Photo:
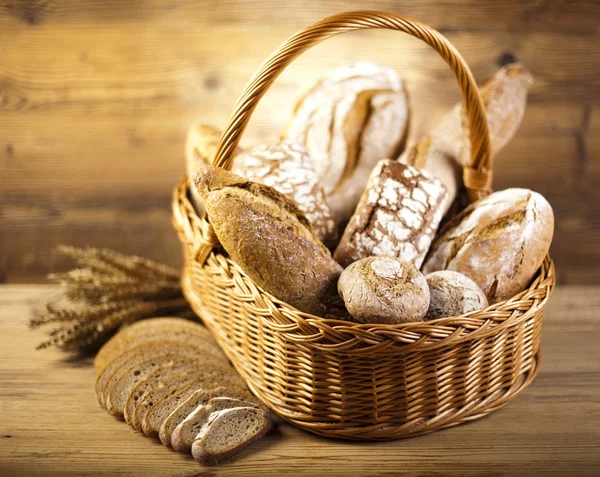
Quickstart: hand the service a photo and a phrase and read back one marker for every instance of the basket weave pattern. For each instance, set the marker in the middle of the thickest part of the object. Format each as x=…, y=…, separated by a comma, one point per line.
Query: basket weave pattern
x=362, y=381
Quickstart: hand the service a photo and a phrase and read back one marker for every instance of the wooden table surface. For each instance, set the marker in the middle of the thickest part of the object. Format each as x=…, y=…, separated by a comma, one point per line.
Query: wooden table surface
x=51, y=424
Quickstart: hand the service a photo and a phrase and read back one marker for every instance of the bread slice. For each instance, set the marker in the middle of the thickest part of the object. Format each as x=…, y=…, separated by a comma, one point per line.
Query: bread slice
x=141, y=331
x=184, y=434
x=204, y=376
x=118, y=394
x=228, y=432
x=140, y=351
x=198, y=398
x=156, y=415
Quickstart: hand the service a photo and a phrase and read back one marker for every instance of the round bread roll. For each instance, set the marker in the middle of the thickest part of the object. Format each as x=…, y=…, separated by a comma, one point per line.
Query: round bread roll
x=384, y=290
x=453, y=294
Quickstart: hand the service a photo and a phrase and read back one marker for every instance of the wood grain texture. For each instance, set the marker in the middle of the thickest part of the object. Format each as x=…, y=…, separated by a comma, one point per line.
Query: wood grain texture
x=52, y=425
x=95, y=99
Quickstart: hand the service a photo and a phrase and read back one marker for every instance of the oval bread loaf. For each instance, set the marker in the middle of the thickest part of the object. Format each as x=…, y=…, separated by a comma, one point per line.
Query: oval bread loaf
x=452, y=294
x=499, y=242
x=384, y=290
x=271, y=240
x=355, y=116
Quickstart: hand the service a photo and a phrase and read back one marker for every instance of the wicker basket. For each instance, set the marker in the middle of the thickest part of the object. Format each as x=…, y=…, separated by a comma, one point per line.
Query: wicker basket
x=362, y=381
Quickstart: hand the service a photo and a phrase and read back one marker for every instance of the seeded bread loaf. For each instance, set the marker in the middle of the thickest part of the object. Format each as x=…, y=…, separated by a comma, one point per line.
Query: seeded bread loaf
x=347, y=121
x=499, y=242
x=271, y=240
x=145, y=330
x=228, y=432
x=397, y=216
x=184, y=434
x=504, y=97
x=384, y=290
x=452, y=294
x=286, y=167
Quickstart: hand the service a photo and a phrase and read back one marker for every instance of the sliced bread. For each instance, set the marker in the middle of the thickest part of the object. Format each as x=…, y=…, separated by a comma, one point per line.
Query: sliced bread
x=228, y=432
x=153, y=328
x=118, y=393
x=184, y=434
x=215, y=386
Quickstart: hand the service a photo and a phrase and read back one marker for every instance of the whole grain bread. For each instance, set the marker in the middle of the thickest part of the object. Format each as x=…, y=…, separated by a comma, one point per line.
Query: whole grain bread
x=228, y=432
x=384, y=290
x=184, y=434
x=397, y=216
x=271, y=240
x=499, y=242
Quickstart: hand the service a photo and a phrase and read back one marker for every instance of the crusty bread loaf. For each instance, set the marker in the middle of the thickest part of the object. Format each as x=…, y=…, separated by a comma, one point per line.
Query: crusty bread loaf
x=286, y=167
x=499, y=242
x=200, y=149
x=145, y=330
x=186, y=431
x=347, y=121
x=228, y=432
x=452, y=294
x=384, y=290
x=504, y=97
x=271, y=240
x=397, y=216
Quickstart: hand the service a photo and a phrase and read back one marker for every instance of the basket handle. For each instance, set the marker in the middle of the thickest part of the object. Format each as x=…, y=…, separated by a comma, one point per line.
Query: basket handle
x=477, y=176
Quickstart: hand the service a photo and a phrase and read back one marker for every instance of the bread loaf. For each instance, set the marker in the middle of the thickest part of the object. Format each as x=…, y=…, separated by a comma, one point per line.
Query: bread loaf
x=271, y=240
x=348, y=121
x=397, y=215
x=452, y=294
x=499, y=242
x=504, y=97
x=384, y=290
x=286, y=167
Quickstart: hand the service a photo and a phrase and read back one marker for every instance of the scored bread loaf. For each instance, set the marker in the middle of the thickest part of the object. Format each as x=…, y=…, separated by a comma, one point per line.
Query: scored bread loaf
x=228, y=432
x=286, y=167
x=384, y=290
x=186, y=431
x=499, y=242
x=397, y=216
x=504, y=96
x=271, y=240
x=453, y=294
x=355, y=116
x=153, y=328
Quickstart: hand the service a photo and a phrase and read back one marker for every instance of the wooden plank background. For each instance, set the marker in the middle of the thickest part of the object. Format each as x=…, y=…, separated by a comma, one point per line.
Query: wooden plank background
x=95, y=99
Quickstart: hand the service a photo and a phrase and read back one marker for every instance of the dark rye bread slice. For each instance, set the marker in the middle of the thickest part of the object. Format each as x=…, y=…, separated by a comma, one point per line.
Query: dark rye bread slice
x=198, y=398
x=119, y=392
x=203, y=375
x=132, y=356
x=151, y=329
x=228, y=432
x=185, y=433
x=157, y=414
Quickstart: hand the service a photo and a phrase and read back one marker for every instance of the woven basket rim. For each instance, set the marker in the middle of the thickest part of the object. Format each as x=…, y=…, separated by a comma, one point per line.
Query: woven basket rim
x=335, y=335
